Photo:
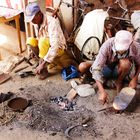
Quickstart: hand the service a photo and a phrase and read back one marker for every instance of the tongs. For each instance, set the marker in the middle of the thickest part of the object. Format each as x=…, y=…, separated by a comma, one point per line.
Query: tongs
x=26, y=74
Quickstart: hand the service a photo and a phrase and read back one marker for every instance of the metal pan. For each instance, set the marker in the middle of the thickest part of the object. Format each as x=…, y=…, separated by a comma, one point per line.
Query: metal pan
x=122, y=101
x=124, y=98
x=18, y=104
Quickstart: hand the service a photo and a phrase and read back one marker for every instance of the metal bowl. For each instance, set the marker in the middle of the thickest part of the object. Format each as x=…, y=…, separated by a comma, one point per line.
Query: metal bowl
x=124, y=98
x=18, y=104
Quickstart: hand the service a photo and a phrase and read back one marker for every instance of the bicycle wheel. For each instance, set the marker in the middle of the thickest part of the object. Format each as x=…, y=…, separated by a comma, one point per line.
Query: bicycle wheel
x=90, y=48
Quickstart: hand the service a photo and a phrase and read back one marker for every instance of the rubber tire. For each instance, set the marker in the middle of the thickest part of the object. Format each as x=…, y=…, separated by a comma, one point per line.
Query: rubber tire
x=88, y=44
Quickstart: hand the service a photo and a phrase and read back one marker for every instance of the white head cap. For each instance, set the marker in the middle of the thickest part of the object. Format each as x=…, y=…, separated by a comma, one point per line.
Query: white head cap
x=123, y=39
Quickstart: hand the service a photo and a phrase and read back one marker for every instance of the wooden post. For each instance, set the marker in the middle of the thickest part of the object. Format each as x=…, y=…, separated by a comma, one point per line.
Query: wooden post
x=26, y=24
x=18, y=31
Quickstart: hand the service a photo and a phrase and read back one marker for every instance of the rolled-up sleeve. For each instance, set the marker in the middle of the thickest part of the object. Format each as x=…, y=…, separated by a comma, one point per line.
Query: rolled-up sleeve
x=100, y=61
x=57, y=39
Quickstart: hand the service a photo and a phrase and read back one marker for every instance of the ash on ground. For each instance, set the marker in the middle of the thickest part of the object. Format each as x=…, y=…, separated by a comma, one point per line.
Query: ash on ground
x=44, y=115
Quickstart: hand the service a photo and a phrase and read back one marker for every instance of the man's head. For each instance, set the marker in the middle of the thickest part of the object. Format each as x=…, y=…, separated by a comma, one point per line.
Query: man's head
x=123, y=40
x=33, y=13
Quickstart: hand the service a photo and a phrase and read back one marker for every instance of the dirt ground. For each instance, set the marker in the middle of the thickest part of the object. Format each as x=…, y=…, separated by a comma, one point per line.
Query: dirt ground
x=44, y=119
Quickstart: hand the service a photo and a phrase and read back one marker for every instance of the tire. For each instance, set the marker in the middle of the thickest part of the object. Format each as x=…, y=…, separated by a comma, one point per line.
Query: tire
x=90, y=48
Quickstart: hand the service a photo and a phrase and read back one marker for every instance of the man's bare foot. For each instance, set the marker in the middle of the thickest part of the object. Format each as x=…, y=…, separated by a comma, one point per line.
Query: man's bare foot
x=44, y=74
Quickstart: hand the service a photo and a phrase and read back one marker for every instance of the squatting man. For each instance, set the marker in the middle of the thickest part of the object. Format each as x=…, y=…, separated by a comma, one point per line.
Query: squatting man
x=118, y=59
x=49, y=45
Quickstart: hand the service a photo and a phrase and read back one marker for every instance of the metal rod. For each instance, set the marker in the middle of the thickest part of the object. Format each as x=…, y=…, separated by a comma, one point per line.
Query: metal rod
x=120, y=18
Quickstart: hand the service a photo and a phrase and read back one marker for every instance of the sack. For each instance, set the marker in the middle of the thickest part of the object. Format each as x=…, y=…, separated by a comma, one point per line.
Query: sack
x=83, y=90
x=91, y=33
x=69, y=72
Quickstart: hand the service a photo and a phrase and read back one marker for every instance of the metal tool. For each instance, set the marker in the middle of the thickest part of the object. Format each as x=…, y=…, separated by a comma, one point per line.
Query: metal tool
x=28, y=60
x=26, y=74
x=104, y=109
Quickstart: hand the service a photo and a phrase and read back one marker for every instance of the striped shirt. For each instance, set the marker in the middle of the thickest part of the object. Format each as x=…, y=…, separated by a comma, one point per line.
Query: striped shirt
x=107, y=55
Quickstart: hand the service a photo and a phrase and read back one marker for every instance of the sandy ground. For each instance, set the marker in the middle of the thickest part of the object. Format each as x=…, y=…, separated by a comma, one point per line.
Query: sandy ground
x=30, y=124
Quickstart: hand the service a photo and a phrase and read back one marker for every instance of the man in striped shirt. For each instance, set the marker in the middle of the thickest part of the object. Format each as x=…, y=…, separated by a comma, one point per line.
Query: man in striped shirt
x=119, y=59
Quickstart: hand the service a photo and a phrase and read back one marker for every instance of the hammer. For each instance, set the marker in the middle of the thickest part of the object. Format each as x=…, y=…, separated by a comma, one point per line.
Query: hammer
x=27, y=60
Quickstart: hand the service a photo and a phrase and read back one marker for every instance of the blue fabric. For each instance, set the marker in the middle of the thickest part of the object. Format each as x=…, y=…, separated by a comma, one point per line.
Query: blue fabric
x=109, y=73
x=69, y=72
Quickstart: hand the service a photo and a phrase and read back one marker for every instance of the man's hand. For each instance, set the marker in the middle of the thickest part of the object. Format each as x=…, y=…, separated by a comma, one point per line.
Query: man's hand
x=40, y=67
x=133, y=82
x=103, y=98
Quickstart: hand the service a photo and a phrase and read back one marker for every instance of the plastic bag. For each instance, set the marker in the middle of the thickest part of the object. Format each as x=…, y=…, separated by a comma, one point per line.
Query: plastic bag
x=69, y=72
